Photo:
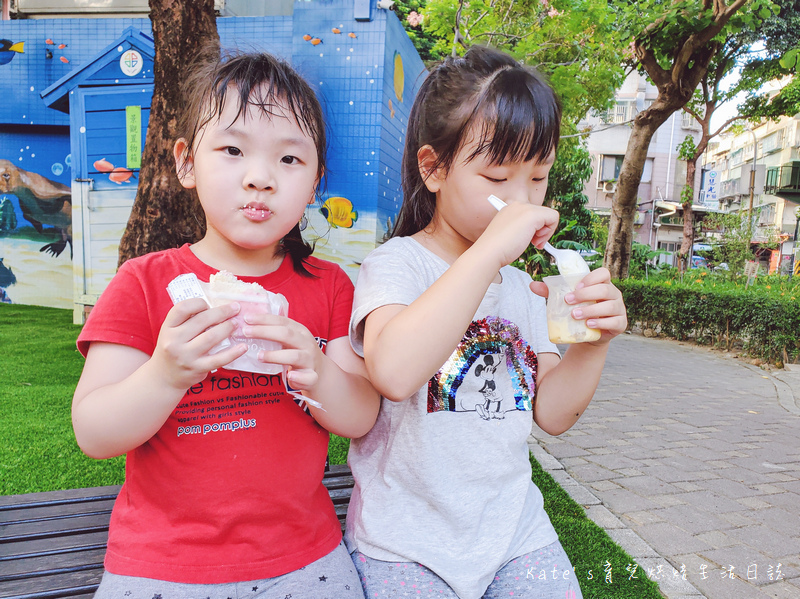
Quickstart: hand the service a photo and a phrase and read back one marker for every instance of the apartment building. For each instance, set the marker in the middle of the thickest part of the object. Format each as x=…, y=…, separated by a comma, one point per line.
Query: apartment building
x=758, y=171
x=659, y=219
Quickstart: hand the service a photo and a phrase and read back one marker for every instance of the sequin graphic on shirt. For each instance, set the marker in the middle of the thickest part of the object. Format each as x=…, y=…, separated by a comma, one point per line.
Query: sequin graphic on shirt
x=491, y=372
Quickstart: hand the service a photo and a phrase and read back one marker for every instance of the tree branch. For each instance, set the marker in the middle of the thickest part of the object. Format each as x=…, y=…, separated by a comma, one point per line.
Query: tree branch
x=694, y=42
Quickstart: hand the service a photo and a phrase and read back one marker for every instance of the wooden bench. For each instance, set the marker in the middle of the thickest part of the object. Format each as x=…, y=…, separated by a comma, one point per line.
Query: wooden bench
x=52, y=544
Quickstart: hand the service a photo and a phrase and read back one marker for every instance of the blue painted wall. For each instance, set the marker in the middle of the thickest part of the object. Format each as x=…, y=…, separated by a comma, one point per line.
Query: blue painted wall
x=353, y=67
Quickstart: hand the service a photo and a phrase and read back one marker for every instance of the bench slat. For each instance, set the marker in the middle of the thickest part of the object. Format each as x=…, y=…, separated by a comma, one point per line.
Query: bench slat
x=52, y=544
x=66, y=584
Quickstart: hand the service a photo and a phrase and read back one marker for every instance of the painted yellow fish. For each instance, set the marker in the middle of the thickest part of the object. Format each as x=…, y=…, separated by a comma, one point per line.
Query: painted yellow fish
x=338, y=211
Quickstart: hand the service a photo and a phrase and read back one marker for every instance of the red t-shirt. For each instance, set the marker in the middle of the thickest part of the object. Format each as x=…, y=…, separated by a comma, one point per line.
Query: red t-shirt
x=230, y=488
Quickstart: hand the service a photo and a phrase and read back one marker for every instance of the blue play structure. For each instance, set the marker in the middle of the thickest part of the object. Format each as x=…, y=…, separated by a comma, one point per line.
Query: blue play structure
x=74, y=123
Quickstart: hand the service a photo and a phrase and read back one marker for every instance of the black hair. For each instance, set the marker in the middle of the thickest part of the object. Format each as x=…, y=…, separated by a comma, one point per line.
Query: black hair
x=514, y=111
x=262, y=80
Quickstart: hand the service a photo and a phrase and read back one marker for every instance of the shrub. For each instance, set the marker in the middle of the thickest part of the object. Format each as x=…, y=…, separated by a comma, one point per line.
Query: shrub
x=763, y=319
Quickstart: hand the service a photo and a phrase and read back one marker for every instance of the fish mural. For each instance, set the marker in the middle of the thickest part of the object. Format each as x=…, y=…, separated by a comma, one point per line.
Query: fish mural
x=42, y=202
x=7, y=279
x=8, y=50
x=338, y=211
x=49, y=52
x=117, y=174
x=399, y=78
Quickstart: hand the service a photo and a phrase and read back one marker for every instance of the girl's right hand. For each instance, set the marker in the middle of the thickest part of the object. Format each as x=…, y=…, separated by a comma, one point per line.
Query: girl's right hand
x=189, y=332
x=514, y=228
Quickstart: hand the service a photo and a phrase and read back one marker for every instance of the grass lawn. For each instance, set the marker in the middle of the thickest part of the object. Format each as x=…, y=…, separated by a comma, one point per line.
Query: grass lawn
x=41, y=366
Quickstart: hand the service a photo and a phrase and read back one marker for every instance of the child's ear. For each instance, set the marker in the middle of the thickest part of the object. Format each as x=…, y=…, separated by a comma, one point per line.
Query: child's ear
x=428, y=170
x=184, y=163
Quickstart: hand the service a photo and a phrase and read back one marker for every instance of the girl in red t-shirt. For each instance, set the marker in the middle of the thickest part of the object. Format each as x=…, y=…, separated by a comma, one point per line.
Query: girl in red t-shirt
x=223, y=490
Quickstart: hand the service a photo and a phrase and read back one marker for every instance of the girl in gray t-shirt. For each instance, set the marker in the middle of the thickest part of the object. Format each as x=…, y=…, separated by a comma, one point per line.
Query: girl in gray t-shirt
x=455, y=340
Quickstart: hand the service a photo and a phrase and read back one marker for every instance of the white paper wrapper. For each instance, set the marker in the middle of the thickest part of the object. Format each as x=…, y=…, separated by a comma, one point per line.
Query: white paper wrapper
x=261, y=301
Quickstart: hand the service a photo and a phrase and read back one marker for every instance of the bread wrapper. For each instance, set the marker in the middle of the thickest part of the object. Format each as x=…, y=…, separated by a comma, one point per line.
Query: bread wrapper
x=225, y=288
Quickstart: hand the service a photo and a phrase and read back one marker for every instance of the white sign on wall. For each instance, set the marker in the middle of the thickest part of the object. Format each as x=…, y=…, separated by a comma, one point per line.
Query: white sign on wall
x=130, y=63
x=711, y=189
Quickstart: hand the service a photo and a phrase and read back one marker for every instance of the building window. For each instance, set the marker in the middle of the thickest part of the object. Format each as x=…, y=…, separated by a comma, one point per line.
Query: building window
x=688, y=121
x=766, y=214
x=610, y=167
x=773, y=142
x=622, y=112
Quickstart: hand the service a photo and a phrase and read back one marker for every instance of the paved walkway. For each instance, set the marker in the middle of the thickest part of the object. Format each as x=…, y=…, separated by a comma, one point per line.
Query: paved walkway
x=690, y=459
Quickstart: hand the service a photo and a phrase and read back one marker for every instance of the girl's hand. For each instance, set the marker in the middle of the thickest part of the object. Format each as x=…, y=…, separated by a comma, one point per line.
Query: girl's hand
x=514, y=228
x=189, y=332
x=608, y=314
x=301, y=351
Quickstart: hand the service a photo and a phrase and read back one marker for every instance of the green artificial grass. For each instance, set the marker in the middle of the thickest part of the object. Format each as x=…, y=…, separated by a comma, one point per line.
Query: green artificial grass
x=604, y=570
x=41, y=367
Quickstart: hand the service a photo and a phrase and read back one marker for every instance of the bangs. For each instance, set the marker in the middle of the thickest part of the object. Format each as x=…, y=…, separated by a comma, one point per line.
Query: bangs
x=519, y=119
x=266, y=88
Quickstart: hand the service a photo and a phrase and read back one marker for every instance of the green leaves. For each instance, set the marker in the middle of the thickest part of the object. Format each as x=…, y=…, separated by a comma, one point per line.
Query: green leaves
x=763, y=320
x=574, y=42
x=789, y=60
x=687, y=149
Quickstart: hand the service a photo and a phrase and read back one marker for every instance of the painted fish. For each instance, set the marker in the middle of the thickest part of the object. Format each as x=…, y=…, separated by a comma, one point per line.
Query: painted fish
x=9, y=49
x=120, y=175
x=316, y=41
x=338, y=211
x=103, y=166
x=336, y=30
x=307, y=37
x=353, y=35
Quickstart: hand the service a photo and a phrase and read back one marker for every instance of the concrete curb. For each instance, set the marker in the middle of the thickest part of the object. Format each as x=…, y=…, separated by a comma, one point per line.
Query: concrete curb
x=644, y=555
x=785, y=382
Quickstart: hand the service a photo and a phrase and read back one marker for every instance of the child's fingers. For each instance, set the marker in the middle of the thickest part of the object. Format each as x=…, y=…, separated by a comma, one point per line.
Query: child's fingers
x=302, y=378
x=280, y=329
x=210, y=362
x=614, y=325
x=608, y=315
x=539, y=288
x=196, y=313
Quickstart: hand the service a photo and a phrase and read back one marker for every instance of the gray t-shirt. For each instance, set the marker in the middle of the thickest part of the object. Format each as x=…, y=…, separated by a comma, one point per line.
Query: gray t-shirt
x=443, y=478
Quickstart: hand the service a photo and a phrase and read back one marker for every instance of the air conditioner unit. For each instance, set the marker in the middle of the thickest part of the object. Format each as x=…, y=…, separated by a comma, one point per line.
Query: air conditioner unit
x=609, y=186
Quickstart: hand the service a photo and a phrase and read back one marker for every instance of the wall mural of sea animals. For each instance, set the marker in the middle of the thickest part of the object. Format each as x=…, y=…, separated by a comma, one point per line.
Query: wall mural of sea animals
x=117, y=174
x=42, y=202
x=399, y=76
x=9, y=49
x=7, y=279
x=339, y=212
x=49, y=52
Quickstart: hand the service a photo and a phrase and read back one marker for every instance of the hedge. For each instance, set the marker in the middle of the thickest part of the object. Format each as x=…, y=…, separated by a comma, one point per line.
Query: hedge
x=763, y=325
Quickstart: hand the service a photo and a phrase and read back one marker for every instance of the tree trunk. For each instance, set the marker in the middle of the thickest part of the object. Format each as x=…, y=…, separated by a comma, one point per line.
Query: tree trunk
x=623, y=210
x=688, y=216
x=164, y=214
x=687, y=242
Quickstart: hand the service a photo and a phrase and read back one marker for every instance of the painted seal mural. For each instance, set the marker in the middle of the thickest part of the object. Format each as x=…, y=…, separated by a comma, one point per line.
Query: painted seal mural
x=42, y=202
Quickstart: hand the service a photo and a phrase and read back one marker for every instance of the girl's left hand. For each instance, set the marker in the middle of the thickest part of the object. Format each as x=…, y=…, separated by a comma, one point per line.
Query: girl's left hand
x=301, y=352
x=608, y=313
